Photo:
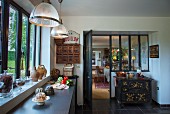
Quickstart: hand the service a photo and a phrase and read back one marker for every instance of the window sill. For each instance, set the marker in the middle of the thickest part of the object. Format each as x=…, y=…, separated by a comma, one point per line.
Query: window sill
x=7, y=104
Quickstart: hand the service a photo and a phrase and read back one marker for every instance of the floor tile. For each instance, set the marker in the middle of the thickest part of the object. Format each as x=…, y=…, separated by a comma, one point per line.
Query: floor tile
x=121, y=112
x=105, y=112
x=163, y=111
x=146, y=106
x=90, y=112
x=131, y=106
x=130, y=111
x=112, y=107
x=149, y=111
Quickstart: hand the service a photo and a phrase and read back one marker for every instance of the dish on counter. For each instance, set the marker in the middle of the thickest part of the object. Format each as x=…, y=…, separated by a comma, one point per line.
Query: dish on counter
x=40, y=102
x=60, y=86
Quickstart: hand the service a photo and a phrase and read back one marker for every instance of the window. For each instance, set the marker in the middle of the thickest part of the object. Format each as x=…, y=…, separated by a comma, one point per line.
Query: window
x=144, y=53
x=32, y=42
x=20, y=38
x=115, y=53
x=0, y=38
x=23, y=43
x=130, y=52
x=0, y=55
x=13, y=15
x=124, y=50
x=134, y=53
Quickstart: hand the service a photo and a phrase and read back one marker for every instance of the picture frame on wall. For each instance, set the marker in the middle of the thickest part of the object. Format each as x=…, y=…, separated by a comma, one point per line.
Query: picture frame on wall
x=154, y=51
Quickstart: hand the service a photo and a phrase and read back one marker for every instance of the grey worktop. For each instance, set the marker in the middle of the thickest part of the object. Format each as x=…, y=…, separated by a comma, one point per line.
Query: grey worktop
x=58, y=104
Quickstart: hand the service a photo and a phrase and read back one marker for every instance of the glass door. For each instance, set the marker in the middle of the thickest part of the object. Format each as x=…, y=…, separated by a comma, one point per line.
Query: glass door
x=88, y=69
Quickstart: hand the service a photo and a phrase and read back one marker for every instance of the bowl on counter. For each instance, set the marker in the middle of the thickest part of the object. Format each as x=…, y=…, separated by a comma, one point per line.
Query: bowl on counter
x=40, y=102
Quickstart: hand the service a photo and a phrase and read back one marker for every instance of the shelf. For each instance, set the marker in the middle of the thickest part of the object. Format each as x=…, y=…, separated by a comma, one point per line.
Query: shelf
x=67, y=53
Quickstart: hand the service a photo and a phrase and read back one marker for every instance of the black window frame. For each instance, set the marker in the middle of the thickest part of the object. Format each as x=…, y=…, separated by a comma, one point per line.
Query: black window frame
x=4, y=36
x=129, y=44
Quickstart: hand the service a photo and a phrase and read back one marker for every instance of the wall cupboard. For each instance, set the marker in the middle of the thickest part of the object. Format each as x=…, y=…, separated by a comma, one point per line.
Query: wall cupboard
x=67, y=53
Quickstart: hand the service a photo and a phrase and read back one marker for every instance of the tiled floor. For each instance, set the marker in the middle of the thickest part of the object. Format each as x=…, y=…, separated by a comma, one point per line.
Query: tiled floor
x=112, y=107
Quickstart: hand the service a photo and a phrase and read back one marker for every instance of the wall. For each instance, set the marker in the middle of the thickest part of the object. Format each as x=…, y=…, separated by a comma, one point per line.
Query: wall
x=37, y=46
x=159, y=68
x=45, y=49
x=101, y=50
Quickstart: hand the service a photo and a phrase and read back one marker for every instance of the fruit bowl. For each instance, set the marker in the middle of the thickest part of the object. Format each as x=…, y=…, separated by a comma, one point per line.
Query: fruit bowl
x=40, y=102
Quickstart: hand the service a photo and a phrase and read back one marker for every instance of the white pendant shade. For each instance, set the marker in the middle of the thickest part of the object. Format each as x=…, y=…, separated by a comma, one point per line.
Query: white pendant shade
x=44, y=14
x=59, y=31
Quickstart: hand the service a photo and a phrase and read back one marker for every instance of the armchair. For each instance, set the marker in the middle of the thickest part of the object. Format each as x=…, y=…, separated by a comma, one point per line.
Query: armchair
x=100, y=74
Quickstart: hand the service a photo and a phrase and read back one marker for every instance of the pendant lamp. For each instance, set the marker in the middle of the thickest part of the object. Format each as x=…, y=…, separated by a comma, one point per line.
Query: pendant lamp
x=44, y=14
x=59, y=31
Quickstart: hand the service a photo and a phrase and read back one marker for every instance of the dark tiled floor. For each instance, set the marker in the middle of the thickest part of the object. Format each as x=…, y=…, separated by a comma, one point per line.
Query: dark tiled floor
x=112, y=107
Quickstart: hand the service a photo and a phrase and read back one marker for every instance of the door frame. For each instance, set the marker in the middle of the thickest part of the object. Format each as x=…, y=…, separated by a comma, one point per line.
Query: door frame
x=87, y=68
x=95, y=33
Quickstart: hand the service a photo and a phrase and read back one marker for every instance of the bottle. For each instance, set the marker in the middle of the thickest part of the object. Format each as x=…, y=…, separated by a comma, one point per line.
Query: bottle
x=6, y=84
x=22, y=72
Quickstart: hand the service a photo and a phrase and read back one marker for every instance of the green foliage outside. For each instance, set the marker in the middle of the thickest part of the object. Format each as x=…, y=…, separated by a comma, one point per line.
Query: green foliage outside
x=11, y=66
x=11, y=55
x=12, y=36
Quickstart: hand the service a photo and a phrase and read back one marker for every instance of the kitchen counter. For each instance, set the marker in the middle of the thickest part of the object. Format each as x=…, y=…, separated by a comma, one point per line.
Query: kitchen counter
x=63, y=102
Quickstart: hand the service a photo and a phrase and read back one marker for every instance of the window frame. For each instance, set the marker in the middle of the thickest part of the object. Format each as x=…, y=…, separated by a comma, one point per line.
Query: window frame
x=4, y=36
x=129, y=49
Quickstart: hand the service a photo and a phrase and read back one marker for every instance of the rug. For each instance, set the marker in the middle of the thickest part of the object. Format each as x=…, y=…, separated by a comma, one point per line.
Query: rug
x=99, y=79
x=101, y=85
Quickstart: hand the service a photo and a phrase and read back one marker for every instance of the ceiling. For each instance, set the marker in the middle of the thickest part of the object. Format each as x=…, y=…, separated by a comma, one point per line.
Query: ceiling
x=134, y=8
x=140, y=8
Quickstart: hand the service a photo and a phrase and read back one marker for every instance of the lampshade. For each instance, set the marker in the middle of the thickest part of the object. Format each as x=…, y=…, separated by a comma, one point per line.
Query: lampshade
x=133, y=57
x=114, y=57
x=59, y=31
x=44, y=14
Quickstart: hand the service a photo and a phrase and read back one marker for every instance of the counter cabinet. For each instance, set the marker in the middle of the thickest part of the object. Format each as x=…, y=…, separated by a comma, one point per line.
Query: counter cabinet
x=133, y=90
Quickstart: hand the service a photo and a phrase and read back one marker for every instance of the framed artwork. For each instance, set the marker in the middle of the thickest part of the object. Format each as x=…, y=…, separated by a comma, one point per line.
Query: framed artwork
x=154, y=51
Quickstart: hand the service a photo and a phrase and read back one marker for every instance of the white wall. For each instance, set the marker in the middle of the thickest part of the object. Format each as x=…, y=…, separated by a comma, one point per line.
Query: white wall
x=45, y=49
x=159, y=68
x=37, y=45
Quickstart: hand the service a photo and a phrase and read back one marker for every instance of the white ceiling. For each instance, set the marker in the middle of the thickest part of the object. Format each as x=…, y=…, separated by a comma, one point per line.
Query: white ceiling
x=141, y=8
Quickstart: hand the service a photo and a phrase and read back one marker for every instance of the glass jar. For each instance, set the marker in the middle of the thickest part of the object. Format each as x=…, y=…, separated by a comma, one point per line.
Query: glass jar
x=6, y=84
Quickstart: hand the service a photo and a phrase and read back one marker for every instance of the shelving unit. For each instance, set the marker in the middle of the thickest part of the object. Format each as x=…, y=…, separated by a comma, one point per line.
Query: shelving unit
x=67, y=53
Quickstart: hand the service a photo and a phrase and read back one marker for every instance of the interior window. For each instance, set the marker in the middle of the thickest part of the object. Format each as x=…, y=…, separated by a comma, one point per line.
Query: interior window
x=115, y=53
x=125, y=52
x=144, y=53
x=134, y=53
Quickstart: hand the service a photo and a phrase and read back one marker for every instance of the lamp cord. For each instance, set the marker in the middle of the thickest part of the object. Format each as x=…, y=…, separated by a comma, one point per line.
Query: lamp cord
x=47, y=1
x=60, y=1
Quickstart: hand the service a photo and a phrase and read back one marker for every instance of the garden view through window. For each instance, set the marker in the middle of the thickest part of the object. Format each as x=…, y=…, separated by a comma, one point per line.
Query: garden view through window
x=23, y=44
x=12, y=35
x=32, y=41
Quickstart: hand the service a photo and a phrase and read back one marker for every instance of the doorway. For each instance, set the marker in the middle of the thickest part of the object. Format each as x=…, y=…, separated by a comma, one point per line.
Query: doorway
x=100, y=67
x=87, y=64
